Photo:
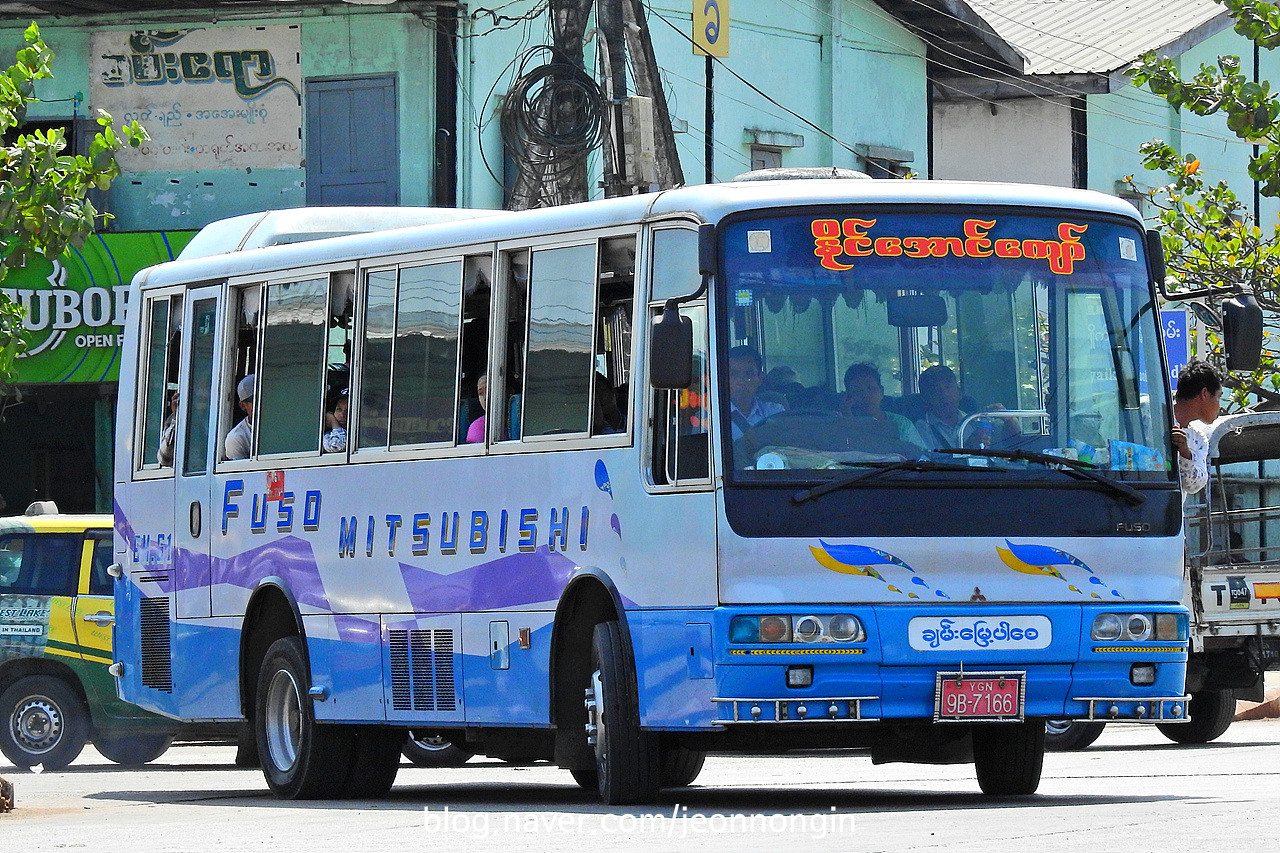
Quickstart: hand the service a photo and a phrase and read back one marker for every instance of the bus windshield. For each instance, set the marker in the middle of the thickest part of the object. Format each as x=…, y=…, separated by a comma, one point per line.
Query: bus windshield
x=864, y=337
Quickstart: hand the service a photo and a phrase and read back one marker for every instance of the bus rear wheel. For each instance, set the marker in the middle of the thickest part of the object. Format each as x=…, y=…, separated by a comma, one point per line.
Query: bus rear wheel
x=1070, y=735
x=433, y=751
x=626, y=758
x=1008, y=757
x=301, y=759
x=1210, y=713
x=132, y=750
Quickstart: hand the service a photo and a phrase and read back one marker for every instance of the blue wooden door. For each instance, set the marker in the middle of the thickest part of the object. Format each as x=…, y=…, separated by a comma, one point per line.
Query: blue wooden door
x=353, y=151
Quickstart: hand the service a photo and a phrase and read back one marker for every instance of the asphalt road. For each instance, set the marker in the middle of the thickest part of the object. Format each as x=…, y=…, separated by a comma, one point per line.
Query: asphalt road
x=1132, y=791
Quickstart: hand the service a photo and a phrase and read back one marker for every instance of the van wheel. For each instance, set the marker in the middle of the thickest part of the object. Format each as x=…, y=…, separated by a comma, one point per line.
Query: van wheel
x=626, y=757
x=45, y=722
x=1210, y=713
x=301, y=759
x=1008, y=757
x=132, y=750
x=1070, y=735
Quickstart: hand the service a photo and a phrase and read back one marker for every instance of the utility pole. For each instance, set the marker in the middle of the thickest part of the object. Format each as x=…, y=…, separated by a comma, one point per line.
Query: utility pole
x=649, y=85
x=609, y=17
x=543, y=124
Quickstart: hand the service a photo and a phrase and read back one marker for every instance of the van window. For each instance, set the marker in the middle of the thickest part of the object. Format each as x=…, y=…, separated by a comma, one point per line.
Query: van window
x=40, y=564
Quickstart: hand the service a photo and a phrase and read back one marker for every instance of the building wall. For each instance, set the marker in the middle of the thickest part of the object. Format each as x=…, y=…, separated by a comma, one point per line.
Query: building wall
x=1025, y=140
x=843, y=65
x=342, y=41
x=1120, y=122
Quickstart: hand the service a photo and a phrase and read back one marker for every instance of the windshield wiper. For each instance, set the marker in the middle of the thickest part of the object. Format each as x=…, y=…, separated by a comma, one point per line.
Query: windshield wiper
x=878, y=468
x=1088, y=470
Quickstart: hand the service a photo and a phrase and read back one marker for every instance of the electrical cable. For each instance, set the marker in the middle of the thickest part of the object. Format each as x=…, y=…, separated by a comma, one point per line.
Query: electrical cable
x=553, y=117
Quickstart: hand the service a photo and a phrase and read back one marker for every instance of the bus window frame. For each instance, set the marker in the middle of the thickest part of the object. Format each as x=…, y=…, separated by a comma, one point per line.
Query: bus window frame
x=647, y=409
x=225, y=383
x=498, y=317
x=355, y=390
x=143, y=469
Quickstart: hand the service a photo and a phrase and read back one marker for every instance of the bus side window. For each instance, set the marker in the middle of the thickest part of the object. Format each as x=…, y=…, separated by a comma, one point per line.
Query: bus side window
x=561, y=341
x=614, y=301
x=425, y=359
x=476, y=295
x=287, y=409
x=163, y=333
x=379, y=327
x=681, y=421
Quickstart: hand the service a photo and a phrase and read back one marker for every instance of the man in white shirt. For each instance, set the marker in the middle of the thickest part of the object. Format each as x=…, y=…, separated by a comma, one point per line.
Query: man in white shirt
x=1198, y=398
x=239, y=441
x=746, y=410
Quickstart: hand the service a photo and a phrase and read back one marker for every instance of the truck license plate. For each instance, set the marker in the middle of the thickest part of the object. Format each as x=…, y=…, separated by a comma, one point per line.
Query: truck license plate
x=976, y=696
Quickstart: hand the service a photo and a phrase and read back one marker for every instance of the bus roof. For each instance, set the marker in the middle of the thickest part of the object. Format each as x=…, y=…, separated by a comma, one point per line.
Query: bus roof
x=707, y=203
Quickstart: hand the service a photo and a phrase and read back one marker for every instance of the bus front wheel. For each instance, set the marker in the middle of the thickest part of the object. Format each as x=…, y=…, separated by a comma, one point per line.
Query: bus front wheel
x=1008, y=757
x=302, y=760
x=626, y=760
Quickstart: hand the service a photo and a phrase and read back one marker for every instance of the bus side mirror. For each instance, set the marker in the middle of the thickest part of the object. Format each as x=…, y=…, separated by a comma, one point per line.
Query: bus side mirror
x=1155, y=256
x=671, y=350
x=1242, y=332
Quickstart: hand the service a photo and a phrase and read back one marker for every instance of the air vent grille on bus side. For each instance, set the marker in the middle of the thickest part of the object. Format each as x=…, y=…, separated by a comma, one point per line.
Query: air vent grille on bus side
x=157, y=662
x=422, y=670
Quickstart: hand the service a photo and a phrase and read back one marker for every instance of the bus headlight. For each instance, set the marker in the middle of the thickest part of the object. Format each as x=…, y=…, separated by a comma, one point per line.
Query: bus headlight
x=845, y=629
x=1139, y=627
x=807, y=628
x=1107, y=627
x=1171, y=626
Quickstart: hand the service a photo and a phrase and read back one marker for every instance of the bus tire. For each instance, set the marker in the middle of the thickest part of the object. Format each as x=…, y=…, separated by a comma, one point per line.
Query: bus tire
x=132, y=750
x=375, y=761
x=1210, y=713
x=433, y=751
x=1008, y=757
x=626, y=756
x=44, y=722
x=301, y=759
x=680, y=766
x=1070, y=735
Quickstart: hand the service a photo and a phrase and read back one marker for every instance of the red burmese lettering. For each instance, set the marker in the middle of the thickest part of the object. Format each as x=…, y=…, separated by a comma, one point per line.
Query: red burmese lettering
x=1008, y=249
x=978, y=245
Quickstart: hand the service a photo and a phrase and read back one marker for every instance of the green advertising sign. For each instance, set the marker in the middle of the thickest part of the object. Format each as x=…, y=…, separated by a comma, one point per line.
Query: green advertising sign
x=74, y=307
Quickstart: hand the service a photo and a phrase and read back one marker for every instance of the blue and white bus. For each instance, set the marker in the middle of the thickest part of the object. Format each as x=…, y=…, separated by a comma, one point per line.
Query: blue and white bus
x=753, y=466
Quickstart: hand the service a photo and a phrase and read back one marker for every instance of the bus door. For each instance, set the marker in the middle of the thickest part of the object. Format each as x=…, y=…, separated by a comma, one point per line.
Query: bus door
x=193, y=516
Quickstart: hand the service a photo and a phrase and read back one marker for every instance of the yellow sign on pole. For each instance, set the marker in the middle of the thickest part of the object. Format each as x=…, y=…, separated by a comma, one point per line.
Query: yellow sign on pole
x=711, y=27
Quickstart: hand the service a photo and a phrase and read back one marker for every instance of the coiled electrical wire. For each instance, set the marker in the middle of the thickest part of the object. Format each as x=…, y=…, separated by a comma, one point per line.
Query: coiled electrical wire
x=553, y=117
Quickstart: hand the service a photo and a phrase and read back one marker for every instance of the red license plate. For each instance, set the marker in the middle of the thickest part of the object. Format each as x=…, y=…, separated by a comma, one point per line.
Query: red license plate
x=979, y=696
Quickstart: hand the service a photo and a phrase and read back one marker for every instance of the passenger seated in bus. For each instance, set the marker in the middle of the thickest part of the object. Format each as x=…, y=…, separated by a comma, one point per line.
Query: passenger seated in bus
x=168, y=433
x=940, y=426
x=475, y=432
x=335, y=420
x=746, y=409
x=239, y=441
x=863, y=396
x=781, y=386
